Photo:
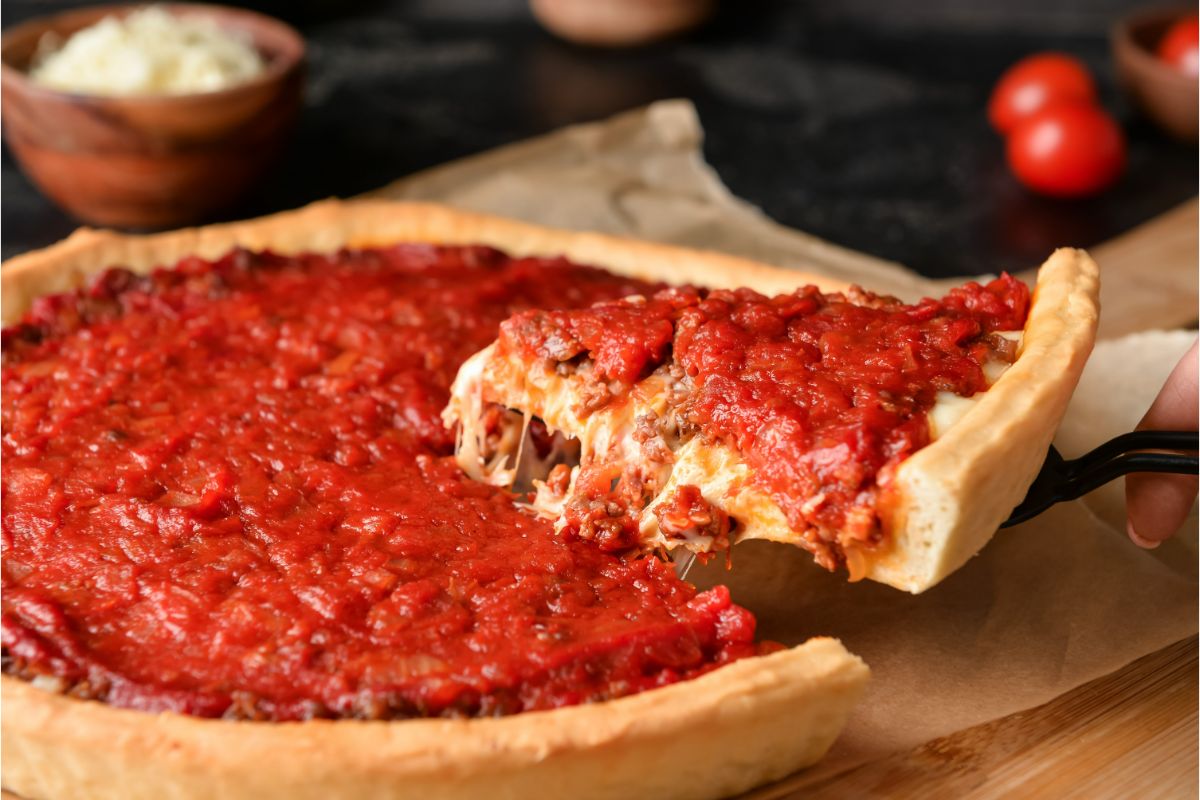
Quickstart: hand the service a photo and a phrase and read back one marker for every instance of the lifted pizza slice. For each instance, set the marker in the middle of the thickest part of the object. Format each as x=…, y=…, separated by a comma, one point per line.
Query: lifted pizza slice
x=888, y=438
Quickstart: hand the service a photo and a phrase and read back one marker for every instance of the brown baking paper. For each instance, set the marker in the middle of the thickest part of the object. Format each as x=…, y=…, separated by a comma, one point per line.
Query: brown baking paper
x=1046, y=607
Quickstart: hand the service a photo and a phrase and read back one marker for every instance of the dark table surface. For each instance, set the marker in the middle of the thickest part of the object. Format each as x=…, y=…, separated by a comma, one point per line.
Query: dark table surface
x=860, y=121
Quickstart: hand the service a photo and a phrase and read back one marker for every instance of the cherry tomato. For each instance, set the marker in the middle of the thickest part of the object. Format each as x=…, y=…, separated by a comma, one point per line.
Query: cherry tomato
x=1036, y=82
x=1067, y=150
x=1181, y=46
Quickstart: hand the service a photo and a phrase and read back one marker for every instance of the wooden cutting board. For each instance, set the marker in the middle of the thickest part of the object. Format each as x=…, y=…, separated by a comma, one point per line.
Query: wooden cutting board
x=1148, y=276
x=1129, y=734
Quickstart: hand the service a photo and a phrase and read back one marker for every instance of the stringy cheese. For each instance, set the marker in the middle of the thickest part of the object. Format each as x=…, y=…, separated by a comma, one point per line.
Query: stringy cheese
x=515, y=463
x=949, y=408
x=718, y=472
x=149, y=52
x=466, y=409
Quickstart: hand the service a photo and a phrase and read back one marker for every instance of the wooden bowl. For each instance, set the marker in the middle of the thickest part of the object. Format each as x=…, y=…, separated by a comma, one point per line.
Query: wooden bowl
x=150, y=161
x=1166, y=95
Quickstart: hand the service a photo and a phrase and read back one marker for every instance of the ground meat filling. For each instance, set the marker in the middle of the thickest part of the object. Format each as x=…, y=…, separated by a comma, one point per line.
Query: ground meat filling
x=228, y=491
x=601, y=500
x=605, y=505
x=686, y=516
x=823, y=395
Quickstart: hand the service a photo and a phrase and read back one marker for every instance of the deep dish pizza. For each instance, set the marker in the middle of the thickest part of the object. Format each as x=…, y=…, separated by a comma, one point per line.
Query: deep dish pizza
x=841, y=422
x=240, y=560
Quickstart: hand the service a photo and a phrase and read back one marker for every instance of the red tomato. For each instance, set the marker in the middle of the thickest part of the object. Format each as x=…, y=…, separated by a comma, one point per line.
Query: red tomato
x=1181, y=46
x=1036, y=82
x=1067, y=150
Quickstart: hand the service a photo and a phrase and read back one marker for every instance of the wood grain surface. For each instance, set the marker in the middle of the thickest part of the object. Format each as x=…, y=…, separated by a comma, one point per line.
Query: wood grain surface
x=1148, y=276
x=1129, y=734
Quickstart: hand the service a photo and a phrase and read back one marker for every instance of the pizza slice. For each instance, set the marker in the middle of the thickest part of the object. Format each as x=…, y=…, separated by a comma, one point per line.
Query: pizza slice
x=885, y=437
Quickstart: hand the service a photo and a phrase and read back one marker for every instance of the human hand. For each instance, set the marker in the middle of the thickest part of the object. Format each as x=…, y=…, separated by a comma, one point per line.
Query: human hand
x=1158, y=504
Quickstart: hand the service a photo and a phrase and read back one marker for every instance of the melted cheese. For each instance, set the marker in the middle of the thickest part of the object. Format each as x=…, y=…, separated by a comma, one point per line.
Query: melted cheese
x=716, y=472
x=606, y=435
x=466, y=410
x=949, y=408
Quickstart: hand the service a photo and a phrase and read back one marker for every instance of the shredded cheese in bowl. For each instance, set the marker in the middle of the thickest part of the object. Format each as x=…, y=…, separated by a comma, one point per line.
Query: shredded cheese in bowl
x=148, y=52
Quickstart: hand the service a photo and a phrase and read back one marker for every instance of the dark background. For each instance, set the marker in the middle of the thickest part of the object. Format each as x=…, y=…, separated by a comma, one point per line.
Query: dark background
x=861, y=121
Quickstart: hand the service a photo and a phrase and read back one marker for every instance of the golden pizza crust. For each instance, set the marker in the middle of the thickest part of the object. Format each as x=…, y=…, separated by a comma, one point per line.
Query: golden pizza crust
x=946, y=501
x=725, y=732
x=951, y=496
x=331, y=224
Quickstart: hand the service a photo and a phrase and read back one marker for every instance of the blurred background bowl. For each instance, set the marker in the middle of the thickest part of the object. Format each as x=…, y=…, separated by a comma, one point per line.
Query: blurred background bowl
x=620, y=23
x=150, y=161
x=1164, y=94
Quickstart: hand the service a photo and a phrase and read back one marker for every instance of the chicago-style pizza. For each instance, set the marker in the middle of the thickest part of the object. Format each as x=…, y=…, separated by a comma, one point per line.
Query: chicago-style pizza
x=240, y=558
x=887, y=437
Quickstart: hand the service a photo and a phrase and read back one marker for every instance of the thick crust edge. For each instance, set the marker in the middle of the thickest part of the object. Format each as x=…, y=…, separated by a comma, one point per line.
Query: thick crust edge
x=952, y=496
x=330, y=225
x=725, y=732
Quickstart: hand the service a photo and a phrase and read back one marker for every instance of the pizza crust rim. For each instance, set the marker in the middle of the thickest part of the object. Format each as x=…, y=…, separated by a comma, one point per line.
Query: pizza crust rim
x=949, y=497
x=724, y=732
x=329, y=225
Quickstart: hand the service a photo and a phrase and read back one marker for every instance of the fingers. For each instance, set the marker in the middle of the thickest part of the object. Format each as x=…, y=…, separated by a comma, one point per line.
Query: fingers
x=1157, y=505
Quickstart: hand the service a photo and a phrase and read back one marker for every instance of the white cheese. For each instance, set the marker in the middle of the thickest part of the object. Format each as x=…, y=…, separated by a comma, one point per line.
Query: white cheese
x=514, y=462
x=466, y=409
x=949, y=408
x=149, y=52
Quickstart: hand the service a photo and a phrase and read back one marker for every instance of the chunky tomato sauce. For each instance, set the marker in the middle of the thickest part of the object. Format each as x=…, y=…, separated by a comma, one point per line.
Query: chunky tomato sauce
x=823, y=394
x=227, y=491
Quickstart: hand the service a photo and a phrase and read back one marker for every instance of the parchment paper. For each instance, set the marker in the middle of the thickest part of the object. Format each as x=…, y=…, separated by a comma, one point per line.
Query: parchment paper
x=1046, y=607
